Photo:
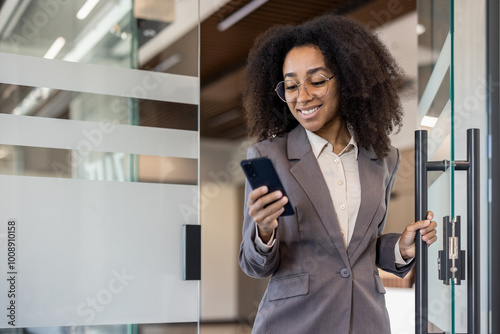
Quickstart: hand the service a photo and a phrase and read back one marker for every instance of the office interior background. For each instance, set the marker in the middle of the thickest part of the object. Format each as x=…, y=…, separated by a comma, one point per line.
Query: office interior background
x=121, y=121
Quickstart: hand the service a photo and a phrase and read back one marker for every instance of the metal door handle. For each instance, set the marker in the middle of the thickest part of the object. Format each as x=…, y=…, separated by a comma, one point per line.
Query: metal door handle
x=471, y=165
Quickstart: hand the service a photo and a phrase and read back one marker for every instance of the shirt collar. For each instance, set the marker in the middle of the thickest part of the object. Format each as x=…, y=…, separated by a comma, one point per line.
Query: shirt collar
x=319, y=143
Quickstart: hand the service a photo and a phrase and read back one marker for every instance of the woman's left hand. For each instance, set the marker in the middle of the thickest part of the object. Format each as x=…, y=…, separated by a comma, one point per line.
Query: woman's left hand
x=428, y=230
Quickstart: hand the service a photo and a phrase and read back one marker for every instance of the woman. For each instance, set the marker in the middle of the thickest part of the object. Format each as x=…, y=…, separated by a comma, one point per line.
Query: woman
x=322, y=99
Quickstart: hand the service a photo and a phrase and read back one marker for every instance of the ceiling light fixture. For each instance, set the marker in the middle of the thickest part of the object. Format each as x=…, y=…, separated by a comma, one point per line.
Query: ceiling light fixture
x=240, y=14
x=420, y=29
x=429, y=121
x=55, y=48
x=86, y=9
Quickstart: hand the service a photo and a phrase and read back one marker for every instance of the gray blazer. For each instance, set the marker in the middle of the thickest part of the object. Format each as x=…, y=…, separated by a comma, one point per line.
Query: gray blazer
x=317, y=286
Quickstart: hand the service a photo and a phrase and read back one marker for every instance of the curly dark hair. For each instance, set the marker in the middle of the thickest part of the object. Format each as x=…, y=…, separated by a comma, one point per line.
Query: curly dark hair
x=367, y=76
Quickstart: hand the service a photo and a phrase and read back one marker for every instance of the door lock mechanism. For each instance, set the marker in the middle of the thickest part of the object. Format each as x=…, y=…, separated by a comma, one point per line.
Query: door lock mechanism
x=451, y=260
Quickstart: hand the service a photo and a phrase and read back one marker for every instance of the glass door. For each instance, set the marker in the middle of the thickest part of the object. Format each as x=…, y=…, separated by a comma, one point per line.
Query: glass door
x=435, y=110
x=452, y=274
x=99, y=150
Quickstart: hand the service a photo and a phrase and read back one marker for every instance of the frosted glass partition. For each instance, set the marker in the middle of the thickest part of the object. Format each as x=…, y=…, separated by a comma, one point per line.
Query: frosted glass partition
x=94, y=190
x=80, y=252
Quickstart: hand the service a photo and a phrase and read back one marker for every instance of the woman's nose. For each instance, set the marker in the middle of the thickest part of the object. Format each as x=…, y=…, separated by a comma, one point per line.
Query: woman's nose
x=303, y=96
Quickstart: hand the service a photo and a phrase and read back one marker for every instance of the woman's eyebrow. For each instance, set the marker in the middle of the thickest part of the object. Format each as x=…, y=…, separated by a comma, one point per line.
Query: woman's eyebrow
x=290, y=74
x=315, y=70
x=309, y=72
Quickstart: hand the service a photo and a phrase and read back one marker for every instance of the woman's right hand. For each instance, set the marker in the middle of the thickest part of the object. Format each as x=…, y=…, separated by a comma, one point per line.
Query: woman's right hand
x=265, y=209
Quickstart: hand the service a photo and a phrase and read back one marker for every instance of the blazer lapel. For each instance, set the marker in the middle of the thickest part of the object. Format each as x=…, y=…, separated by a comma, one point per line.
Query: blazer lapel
x=315, y=187
x=370, y=178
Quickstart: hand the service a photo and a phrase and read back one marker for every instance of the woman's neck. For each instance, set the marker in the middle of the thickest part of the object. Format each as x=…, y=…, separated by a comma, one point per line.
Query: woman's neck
x=337, y=135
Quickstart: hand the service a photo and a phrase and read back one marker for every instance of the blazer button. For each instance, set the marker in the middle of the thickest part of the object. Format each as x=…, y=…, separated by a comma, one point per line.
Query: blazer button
x=345, y=273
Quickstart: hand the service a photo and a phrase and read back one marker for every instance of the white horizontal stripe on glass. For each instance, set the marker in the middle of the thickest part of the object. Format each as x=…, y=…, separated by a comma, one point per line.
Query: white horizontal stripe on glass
x=438, y=73
x=97, y=136
x=57, y=74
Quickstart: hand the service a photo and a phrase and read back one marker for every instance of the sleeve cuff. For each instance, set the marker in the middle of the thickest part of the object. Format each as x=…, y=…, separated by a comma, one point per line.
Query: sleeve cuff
x=261, y=246
x=400, y=262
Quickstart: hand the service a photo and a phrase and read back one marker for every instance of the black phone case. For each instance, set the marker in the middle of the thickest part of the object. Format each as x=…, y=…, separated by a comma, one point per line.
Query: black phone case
x=261, y=172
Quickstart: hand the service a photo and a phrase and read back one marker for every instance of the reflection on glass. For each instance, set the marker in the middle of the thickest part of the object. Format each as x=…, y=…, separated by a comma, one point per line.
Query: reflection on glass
x=434, y=23
x=98, y=166
x=102, y=36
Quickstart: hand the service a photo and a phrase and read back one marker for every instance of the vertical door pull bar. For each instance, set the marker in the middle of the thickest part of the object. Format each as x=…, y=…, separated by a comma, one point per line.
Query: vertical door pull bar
x=473, y=228
x=421, y=291
x=421, y=275
x=472, y=166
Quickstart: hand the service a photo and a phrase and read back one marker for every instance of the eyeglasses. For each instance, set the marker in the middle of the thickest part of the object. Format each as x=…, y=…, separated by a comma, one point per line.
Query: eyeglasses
x=316, y=86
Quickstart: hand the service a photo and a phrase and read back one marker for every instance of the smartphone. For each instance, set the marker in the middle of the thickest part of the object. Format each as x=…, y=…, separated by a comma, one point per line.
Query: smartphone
x=260, y=172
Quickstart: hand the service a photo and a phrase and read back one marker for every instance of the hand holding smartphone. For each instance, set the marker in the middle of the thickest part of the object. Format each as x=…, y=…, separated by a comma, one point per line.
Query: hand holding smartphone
x=260, y=172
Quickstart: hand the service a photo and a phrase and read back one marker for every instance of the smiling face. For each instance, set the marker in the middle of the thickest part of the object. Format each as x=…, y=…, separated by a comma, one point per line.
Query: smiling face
x=319, y=115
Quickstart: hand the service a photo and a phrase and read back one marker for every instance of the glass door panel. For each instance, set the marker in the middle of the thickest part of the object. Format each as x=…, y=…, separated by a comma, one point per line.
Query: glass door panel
x=435, y=113
x=452, y=107
x=98, y=166
x=470, y=92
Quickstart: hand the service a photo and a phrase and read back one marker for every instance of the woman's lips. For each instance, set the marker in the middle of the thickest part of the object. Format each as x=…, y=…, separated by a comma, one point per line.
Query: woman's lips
x=309, y=112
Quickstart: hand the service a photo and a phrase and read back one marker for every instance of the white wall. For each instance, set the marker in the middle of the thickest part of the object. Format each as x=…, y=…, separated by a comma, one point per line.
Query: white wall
x=220, y=176
x=401, y=39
